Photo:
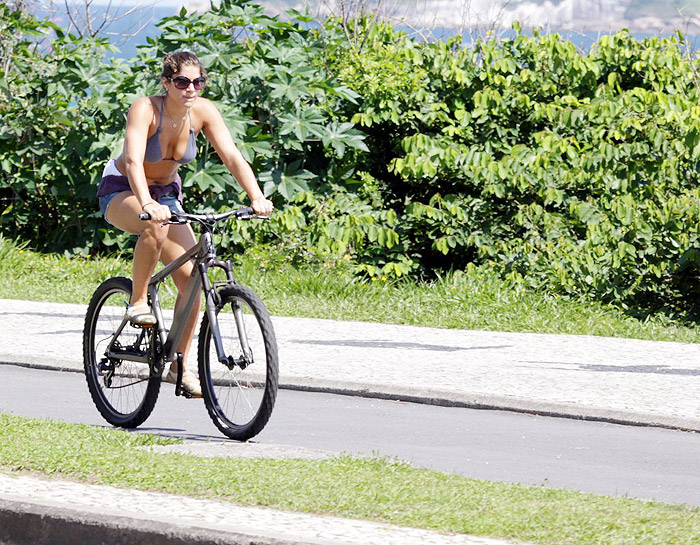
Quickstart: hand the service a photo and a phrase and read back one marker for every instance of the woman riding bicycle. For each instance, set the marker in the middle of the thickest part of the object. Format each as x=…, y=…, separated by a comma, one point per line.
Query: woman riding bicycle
x=161, y=135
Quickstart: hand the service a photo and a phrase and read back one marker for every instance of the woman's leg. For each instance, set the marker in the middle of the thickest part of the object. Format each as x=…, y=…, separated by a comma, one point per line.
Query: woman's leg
x=180, y=239
x=123, y=213
x=156, y=241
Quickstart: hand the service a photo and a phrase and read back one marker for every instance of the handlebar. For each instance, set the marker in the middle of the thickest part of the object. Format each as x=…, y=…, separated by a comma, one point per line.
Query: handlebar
x=208, y=219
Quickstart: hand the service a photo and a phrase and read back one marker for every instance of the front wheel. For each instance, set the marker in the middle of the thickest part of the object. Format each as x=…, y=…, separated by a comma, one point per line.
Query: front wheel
x=118, y=357
x=239, y=393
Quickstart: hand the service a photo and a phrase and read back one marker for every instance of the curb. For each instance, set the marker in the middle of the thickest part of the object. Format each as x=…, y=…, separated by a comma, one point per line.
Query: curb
x=444, y=398
x=23, y=523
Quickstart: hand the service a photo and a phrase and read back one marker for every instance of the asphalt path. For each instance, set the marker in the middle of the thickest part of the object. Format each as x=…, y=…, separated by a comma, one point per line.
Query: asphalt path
x=624, y=461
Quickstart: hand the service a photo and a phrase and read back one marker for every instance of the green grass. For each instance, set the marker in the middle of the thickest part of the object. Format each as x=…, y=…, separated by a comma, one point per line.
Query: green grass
x=475, y=299
x=365, y=488
x=374, y=489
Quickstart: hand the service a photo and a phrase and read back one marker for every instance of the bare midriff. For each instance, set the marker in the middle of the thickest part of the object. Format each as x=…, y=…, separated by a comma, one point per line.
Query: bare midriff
x=162, y=173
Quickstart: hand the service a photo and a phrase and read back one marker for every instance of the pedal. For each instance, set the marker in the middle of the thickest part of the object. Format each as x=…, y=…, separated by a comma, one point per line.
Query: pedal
x=184, y=393
x=141, y=326
x=179, y=389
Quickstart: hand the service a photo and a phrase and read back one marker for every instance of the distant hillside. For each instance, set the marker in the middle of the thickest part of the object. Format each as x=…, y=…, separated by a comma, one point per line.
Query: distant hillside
x=652, y=16
x=580, y=19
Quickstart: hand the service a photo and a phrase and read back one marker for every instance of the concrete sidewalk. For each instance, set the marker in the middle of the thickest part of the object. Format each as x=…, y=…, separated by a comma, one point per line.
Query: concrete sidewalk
x=616, y=380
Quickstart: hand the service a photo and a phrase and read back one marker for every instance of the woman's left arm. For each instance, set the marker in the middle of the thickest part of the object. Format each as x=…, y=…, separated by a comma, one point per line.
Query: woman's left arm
x=218, y=134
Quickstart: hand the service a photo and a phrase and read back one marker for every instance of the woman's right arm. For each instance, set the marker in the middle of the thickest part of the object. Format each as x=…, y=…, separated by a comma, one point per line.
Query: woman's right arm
x=137, y=124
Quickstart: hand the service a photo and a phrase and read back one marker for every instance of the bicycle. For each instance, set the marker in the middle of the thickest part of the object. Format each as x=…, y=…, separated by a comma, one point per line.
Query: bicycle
x=237, y=349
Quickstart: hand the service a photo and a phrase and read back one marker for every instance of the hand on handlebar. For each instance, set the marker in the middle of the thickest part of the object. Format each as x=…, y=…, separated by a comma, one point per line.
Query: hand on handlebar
x=262, y=206
x=156, y=211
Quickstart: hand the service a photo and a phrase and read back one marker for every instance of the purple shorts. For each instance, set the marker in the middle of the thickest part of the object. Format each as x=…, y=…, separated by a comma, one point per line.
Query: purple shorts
x=114, y=182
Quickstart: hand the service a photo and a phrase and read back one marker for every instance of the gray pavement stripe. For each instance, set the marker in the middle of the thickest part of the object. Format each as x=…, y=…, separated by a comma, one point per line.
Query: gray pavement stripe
x=232, y=449
x=494, y=402
x=441, y=398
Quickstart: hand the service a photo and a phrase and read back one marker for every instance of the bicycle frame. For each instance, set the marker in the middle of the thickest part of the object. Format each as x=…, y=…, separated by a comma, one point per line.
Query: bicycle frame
x=203, y=254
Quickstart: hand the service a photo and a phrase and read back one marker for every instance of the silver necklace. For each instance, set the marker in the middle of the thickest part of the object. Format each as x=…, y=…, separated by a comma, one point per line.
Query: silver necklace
x=174, y=123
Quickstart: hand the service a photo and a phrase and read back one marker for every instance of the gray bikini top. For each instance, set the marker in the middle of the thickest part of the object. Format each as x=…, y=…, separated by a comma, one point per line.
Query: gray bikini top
x=154, y=153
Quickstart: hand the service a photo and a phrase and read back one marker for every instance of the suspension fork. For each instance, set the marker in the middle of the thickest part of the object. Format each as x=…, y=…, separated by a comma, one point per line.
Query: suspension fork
x=242, y=335
x=213, y=301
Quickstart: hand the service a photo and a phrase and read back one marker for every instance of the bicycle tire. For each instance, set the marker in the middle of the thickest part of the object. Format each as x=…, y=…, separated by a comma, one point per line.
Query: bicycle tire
x=239, y=399
x=123, y=391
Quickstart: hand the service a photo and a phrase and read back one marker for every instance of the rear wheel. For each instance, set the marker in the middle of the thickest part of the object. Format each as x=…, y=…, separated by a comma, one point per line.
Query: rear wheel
x=123, y=391
x=240, y=393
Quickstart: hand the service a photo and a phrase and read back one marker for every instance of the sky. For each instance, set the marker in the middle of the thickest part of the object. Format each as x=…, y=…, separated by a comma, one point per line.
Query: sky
x=124, y=4
x=129, y=3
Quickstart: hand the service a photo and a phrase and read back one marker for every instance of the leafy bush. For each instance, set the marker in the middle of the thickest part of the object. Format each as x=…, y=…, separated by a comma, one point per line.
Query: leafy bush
x=68, y=105
x=567, y=171
x=49, y=120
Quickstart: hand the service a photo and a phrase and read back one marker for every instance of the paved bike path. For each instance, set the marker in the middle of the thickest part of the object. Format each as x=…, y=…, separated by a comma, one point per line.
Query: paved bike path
x=620, y=380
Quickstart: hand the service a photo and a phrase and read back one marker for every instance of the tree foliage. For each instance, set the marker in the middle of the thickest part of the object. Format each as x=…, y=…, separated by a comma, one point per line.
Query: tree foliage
x=565, y=170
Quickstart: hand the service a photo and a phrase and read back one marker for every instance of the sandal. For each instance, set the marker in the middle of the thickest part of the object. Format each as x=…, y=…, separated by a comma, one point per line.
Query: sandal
x=140, y=315
x=190, y=382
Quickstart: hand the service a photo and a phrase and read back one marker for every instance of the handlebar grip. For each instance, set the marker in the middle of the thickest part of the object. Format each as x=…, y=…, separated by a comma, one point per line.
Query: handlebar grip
x=144, y=216
x=245, y=212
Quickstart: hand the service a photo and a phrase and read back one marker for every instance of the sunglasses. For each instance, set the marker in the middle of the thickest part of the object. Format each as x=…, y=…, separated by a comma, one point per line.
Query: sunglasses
x=181, y=82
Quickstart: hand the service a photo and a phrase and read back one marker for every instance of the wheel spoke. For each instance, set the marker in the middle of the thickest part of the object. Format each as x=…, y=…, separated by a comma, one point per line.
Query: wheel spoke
x=239, y=398
x=123, y=391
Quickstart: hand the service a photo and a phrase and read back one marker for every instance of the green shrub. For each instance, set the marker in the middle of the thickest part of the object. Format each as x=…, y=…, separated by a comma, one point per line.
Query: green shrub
x=567, y=171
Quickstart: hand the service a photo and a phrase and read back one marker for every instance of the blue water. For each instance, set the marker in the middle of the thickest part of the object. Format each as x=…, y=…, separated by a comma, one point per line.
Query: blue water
x=142, y=24
x=581, y=39
x=126, y=31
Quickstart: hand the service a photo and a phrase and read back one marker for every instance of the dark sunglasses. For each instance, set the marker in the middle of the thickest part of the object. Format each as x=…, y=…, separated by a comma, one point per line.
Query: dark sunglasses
x=181, y=82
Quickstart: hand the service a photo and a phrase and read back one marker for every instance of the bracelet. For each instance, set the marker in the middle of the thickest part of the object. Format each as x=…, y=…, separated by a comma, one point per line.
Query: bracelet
x=143, y=207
